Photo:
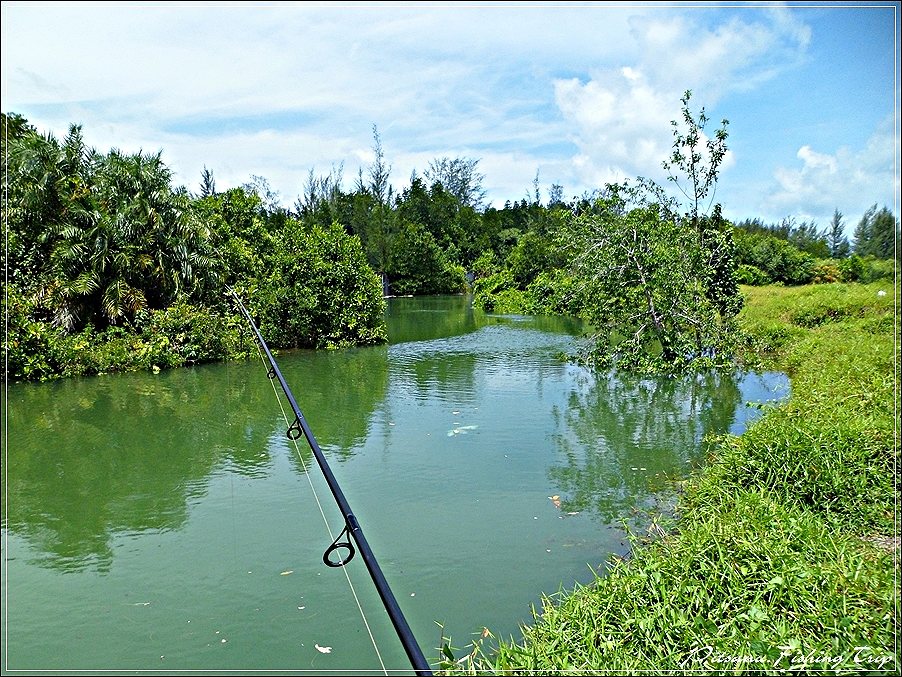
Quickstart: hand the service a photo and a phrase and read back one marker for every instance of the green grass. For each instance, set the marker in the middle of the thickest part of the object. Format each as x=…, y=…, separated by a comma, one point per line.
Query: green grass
x=766, y=567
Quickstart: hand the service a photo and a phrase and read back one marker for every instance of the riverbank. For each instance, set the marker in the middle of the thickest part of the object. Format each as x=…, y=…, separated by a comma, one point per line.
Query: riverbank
x=784, y=552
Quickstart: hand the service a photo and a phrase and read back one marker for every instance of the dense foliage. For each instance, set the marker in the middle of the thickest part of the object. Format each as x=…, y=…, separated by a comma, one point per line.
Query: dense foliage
x=650, y=290
x=110, y=267
x=98, y=244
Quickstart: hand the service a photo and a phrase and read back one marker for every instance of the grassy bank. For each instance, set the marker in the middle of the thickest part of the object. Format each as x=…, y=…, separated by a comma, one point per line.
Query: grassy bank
x=784, y=552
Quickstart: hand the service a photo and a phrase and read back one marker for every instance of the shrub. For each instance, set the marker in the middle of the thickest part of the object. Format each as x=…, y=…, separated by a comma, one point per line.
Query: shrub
x=321, y=293
x=824, y=272
x=752, y=275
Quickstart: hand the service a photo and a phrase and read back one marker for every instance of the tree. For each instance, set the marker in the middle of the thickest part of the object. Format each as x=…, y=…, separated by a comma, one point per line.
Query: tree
x=837, y=241
x=806, y=237
x=556, y=196
x=643, y=276
x=863, y=232
x=459, y=177
x=661, y=287
x=884, y=234
x=418, y=265
x=207, y=183
x=380, y=227
x=270, y=199
x=100, y=237
x=700, y=169
x=240, y=240
x=142, y=248
x=379, y=172
x=320, y=292
x=320, y=202
x=876, y=234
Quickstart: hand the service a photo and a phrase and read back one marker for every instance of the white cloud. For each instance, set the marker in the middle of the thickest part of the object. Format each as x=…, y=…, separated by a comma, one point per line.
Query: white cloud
x=584, y=94
x=436, y=79
x=849, y=180
x=620, y=118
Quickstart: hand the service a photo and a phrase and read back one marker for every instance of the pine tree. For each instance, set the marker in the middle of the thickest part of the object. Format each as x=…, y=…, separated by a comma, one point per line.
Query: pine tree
x=836, y=238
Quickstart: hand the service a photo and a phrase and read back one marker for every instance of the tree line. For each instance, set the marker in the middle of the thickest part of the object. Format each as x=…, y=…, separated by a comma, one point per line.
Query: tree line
x=111, y=266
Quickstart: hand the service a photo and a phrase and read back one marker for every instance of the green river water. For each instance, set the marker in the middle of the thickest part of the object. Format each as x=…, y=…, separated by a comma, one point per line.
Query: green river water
x=165, y=523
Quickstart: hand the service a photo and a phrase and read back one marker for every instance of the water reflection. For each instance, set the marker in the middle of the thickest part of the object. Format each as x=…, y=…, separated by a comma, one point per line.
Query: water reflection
x=620, y=437
x=425, y=318
x=91, y=459
x=482, y=397
x=337, y=391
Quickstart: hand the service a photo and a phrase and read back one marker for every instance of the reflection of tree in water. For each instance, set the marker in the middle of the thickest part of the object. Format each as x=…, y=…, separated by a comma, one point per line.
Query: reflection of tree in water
x=337, y=392
x=621, y=437
x=426, y=318
x=92, y=458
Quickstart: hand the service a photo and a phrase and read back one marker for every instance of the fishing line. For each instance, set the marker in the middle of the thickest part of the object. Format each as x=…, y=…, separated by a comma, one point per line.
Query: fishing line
x=352, y=528
x=323, y=513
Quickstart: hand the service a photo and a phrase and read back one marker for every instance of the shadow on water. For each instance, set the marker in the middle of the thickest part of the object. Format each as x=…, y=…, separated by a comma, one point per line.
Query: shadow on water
x=337, y=391
x=92, y=457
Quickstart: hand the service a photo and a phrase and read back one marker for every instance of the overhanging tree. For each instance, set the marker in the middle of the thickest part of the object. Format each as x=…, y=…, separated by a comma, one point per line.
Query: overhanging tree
x=644, y=279
x=660, y=287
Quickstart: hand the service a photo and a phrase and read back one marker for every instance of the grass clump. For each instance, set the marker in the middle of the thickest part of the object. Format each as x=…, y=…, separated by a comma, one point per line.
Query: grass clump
x=768, y=567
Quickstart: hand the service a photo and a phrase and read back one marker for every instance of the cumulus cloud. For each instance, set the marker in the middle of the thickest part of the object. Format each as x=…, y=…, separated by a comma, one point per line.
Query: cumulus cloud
x=848, y=179
x=620, y=117
x=581, y=94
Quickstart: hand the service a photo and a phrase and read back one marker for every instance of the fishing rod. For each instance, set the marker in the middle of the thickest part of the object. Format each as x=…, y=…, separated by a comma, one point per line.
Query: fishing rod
x=352, y=527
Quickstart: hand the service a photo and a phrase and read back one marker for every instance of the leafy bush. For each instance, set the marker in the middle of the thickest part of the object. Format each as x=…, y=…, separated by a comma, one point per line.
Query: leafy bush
x=779, y=260
x=824, y=272
x=866, y=269
x=29, y=340
x=554, y=292
x=184, y=334
x=321, y=293
x=752, y=275
x=486, y=290
x=418, y=265
x=852, y=269
x=649, y=284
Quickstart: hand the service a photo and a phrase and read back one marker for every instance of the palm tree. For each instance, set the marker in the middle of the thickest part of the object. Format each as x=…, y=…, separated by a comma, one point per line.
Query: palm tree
x=112, y=235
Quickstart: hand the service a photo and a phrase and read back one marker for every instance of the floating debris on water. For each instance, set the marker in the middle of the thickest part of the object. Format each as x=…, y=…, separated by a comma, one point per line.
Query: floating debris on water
x=286, y=573
x=462, y=430
x=323, y=649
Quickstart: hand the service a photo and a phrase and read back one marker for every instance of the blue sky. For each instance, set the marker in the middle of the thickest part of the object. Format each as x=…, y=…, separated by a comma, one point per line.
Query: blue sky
x=580, y=93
